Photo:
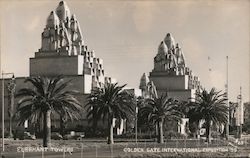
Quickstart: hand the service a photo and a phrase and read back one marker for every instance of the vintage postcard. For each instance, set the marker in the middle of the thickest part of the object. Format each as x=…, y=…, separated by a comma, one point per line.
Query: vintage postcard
x=125, y=78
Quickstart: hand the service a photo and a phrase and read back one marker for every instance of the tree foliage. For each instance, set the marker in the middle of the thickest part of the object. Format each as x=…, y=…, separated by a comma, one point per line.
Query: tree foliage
x=108, y=103
x=159, y=110
x=210, y=107
x=47, y=96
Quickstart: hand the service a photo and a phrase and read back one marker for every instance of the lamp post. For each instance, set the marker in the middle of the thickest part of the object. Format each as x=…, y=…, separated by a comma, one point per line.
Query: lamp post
x=136, y=112
x=11, y=91
x=13, y=78
x=239, y=115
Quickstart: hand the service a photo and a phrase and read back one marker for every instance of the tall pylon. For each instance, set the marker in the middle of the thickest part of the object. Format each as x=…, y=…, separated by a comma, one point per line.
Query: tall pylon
x=227, y=95
x=209, y=71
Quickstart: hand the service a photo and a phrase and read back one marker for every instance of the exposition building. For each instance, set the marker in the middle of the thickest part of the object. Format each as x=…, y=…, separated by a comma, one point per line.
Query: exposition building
x=171, y=76
x=63, y=52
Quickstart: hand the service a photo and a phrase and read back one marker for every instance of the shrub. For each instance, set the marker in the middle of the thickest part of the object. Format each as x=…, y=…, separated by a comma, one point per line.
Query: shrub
x=173, y=135
x=139, y=136
x=97, y=133
x=215, y=134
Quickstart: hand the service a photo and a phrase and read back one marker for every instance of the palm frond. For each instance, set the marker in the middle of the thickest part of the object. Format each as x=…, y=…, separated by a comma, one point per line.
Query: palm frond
x=47, y=94
x=109, y=102
x=211, y=106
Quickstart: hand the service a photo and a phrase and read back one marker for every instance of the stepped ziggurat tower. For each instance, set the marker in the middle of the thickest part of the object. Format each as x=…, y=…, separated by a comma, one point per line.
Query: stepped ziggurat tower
x=170, y=74
x=63, y=52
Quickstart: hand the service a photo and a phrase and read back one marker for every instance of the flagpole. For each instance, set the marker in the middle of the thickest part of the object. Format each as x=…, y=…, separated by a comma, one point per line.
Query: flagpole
x=227, y=124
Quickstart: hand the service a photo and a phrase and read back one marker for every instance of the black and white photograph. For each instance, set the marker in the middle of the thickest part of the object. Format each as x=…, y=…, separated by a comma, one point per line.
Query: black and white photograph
x=124, y=78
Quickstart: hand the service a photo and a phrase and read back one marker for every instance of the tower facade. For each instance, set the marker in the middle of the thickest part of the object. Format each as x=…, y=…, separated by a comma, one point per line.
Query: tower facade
x=170, y=74
x=63, y=52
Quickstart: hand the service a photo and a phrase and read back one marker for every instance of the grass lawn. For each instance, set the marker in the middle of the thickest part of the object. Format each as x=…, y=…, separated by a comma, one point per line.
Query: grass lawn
x=125, y=148
x=11, y=145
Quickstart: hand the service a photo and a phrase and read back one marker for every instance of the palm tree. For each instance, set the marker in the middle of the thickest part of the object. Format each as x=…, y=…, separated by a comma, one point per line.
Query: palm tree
x=142, y=124
x=160, y=110
x=211, y=107
x=108, y=103
x=47, y=96
x=194, y=119
x=187, y=108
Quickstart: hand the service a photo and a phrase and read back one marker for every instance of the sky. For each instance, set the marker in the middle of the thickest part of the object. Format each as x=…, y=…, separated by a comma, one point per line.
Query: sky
x=126, y=35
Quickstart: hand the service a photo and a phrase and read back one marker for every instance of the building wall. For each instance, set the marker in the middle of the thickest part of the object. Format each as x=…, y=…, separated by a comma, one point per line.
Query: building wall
x=87, y=83
x=135, y=91
x=181, y=95
x=56, y=65
x=76, y=83
x=164, y=81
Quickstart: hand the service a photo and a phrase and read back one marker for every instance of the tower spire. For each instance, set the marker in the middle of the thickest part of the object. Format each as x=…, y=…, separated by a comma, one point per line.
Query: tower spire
x=169, y=40
x=63, y=11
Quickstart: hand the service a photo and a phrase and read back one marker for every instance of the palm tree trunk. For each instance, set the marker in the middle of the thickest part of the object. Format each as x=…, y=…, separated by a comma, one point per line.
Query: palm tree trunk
x=208, y=133
x=157, y=130
x=10, y=128
x=62, y=125
x=47, y=129
x=111, y=137
x=160, y=132
x=94, y=125
x=37, y=128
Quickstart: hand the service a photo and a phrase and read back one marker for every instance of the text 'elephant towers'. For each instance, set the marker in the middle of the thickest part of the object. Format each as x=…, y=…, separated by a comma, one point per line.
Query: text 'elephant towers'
x=170, y=73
